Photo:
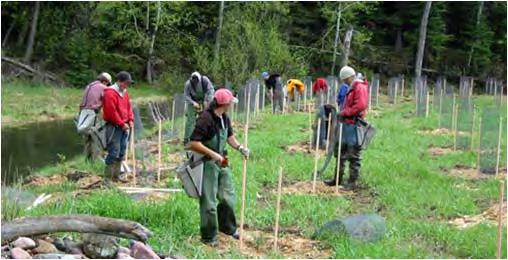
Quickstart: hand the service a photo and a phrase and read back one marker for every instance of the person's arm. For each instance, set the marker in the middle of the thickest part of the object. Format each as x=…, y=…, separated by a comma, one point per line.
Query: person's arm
x=198, y=147
x=360, y=103
x=187, y=95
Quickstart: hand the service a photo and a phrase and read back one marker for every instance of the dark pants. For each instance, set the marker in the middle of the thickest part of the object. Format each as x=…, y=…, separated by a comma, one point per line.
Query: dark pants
x=353, y=156
x=117, y=139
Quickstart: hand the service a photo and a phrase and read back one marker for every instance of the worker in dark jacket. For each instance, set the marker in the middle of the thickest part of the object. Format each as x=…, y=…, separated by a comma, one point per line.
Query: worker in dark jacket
x=217, y=201
x=198, y=92
x=273, y=83
x=354, y=108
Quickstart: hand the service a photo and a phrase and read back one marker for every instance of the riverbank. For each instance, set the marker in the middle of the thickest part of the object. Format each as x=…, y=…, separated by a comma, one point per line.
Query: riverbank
x=413, y=189
x=23, y=103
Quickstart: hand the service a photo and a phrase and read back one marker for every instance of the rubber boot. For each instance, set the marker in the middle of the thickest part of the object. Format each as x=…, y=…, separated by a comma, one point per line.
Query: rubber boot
x=354, y=169
x=109, y=174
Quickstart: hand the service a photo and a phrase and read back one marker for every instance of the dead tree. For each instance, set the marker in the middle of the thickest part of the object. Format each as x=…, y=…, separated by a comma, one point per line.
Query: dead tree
x=421, y=41
x=337, y=28
x=149, y=65
x=33, y=30
x=34, y=226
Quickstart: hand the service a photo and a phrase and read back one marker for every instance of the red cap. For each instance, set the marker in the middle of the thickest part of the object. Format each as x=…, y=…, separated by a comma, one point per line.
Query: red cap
x=224, y=96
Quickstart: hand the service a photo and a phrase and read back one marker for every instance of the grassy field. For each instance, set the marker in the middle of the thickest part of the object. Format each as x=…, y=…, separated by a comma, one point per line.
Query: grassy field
x=24, y=103
x=406, y=185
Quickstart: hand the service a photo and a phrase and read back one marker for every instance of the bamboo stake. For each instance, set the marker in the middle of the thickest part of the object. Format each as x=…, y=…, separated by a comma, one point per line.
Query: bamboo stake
x=499, y=239
x=133, y=150
x=310, y=128
x=472, y=128
x=277, y=212
x=316, y=156
x=329, y=131
x=244, y=177
x=440, y=106
x=173, y=118
x=159, y=153
x=427, y=105
x=184, y=119
x=479, y=144
x=395, y=94
x=339, y=152
x=500, y=134
x=456, y=129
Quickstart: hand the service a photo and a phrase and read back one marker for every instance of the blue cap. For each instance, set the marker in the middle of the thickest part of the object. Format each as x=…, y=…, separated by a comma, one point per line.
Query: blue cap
x=265, y=74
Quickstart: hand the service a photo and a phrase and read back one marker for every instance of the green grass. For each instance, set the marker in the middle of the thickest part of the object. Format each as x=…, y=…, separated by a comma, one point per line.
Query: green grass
x=412, y=193
x=24, y=103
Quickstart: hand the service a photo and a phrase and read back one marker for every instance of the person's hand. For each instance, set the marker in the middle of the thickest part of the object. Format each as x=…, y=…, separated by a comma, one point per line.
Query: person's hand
x=196, y=105
x=244, y=151
x=131, y=124
x=126, y=127
x=217, y=157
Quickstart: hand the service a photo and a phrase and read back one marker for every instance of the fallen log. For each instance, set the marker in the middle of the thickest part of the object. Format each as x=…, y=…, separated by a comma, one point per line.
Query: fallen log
x=28, y=68
x=27, y=227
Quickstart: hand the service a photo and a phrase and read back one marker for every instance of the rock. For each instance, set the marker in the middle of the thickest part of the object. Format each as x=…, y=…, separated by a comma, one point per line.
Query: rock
x=89, y=182
x=124, y=250
x=44, y=247
x=142, y=251
x=100, y=246
x=24, y=243
x=58, y=256
x=124, y=256
x=18, y=253
x=361, y=227
x=59, y=244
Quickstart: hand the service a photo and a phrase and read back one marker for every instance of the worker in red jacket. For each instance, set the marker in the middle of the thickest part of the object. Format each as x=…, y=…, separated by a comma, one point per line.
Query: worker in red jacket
x=355, y=108
x=319, y=89
x=119, y=120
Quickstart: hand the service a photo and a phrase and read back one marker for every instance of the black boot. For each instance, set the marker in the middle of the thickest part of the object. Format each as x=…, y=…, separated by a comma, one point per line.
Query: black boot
x=333, y=181
x=354, y=169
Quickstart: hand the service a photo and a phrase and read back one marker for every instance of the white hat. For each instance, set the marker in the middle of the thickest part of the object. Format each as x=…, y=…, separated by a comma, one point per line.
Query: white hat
x=105, y=76
x=346, y=72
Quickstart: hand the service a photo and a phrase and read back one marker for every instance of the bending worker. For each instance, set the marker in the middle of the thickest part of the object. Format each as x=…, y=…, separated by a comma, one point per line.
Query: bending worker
x=295, y=85
x=213, y=129
x=198, y=93
x=273, y=83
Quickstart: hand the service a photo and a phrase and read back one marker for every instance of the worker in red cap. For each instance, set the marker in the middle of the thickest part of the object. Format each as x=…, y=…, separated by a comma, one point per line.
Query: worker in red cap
x=217, y=201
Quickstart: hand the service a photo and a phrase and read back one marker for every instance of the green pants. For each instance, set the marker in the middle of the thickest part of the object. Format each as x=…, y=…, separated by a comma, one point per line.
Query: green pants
x=192, y=115
x=217, y=188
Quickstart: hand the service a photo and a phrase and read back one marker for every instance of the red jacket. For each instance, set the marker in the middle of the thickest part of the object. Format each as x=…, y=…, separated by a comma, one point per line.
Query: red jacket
x=319, y=84
x=117, y=110
x=356, y=104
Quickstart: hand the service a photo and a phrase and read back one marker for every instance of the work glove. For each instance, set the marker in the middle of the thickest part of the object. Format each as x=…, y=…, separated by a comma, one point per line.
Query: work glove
x=244, y=151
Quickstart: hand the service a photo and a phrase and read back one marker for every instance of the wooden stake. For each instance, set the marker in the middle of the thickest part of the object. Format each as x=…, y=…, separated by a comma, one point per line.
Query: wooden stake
x=440, y=106
x=244, y=177
x=159, y=153
x=500, y=134
x=305, y=96
x=133, y=149
x=316, y=156
x=310, y=128
x=339, y=152
x=472, y=129
x=427, y=105
x=184, y=119
x=277, y=212
x=456, y=128
x=395, y=94
x=479, y=145
x=499, y=239
x=329, y=131
x=173, y=118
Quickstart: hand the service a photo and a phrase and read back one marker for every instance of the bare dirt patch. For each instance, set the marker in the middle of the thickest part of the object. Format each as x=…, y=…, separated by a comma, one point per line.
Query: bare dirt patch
x=436, y=151
x=471, y=173
x=258, y=244
x=489, y=216
x=302, y=147
x=442, y=131
x=37, y=181
x=305, y=188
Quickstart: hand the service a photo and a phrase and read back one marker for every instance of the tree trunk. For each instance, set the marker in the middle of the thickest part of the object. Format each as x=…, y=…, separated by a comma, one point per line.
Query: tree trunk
x=347, y=46
x=31, y=38
x=7, y=34
x=337, y=28
x=218, y=36
x=22, y=35
x=421, y=41
x=33, y=226
x=478, y=16
x=398, y=41
x=149, y=69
